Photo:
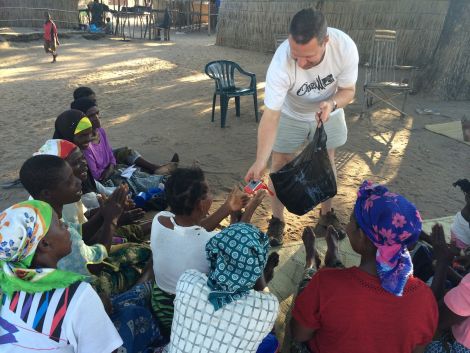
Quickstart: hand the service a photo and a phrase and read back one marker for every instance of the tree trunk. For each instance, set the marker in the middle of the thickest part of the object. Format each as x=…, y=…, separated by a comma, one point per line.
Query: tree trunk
x=448, y=73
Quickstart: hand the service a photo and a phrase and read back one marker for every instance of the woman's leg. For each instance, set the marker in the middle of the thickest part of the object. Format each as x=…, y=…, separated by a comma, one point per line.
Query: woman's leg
x=125, y=155
x=134, y=320
x=163, y=309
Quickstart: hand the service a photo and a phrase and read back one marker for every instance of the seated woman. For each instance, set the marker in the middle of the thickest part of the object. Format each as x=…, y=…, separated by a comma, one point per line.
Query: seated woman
x=78, y=213
x=221, y=311
x=460, y=229
x=33, y=241
x=72, y=125
x=84, y=92
x=179, y=237
x=102, y=159
x=454, y=306
x=378, y=306
x=422, y=254
x=51, y=179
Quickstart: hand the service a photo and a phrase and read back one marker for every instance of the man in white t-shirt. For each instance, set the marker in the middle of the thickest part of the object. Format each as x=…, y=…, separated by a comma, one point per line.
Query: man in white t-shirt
x=312, y=76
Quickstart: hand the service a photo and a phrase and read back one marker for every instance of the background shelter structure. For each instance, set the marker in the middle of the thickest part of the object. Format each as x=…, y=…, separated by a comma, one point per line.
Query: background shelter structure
x=30, y=13
x=253, y=24
x=189, y=15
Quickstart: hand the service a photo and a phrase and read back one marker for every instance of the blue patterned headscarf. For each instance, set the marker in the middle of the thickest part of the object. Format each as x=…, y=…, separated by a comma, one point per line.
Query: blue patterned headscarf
x=237, y=257
x=391, y=222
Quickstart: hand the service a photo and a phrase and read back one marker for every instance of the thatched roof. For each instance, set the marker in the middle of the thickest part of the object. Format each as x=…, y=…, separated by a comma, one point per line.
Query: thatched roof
x=252, y=24
x=30, y=13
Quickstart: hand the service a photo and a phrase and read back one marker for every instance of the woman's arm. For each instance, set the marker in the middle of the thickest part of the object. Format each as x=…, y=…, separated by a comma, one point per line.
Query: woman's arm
x=107, y=172
x=299, y=332
x=443, y=255
x=236, y=200
x=90, y=228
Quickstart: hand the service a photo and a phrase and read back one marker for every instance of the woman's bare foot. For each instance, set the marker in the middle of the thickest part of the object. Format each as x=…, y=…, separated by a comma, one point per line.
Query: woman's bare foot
x=332, y=240
x=271, y=264
x=312, y=259
x=253, y=205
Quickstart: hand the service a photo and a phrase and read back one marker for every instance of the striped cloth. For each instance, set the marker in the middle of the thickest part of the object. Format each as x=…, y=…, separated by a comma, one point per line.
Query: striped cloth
x=163, y=308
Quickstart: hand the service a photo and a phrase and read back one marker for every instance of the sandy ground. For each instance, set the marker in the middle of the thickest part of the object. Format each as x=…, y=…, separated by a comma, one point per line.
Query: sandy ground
x=155, y=98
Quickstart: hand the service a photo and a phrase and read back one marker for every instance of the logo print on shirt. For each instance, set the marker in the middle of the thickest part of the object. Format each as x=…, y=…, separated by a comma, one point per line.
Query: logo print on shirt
x=319, y=84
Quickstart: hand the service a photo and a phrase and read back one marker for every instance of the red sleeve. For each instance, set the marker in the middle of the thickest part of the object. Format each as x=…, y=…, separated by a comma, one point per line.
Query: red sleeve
x=431, y=316
x=307, y=305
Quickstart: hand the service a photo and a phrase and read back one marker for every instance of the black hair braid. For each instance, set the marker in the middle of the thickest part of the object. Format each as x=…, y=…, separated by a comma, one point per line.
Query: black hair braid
x=184, y=188
x=463, y=184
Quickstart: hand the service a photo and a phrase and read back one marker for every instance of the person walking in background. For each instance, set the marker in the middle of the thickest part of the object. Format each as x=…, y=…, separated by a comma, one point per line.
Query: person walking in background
x=51, y=39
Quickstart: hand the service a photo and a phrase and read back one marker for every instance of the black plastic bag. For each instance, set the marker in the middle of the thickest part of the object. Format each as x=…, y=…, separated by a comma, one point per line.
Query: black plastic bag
x=308, y=179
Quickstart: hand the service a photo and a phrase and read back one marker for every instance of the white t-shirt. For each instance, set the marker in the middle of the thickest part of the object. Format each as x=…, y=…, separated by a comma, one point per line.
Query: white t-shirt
x=460, y=231
x=177, y=250
x=297, y=92
x=74, y=213
x=63, y=320
x=238, y=327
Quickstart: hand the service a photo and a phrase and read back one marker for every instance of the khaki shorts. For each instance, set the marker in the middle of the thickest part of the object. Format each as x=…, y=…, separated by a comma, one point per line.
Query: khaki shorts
x=292, y=134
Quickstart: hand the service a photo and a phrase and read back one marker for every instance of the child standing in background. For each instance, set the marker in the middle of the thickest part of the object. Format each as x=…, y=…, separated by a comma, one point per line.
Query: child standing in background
x=51, y=39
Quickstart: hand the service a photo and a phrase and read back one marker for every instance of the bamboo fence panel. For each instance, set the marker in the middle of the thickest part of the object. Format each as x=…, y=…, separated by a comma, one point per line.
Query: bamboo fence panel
x=252, y=24
x=30, y=13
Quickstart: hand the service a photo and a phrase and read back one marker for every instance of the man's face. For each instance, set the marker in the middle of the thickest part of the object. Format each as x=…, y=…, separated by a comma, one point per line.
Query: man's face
x=68, y=188
x=94, y=115
x=83, y=138
x=308, y=55
x=77, y=161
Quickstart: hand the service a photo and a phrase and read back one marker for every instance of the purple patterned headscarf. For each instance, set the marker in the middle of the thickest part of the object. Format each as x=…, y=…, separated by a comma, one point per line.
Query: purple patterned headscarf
x=391, y=222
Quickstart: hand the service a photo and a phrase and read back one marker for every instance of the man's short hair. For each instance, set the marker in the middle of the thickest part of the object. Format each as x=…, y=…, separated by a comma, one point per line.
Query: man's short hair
x=41, y=172
x=82, y=91
x=308, y=24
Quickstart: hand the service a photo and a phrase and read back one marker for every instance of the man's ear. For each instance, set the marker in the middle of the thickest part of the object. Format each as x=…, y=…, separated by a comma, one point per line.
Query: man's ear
x=326, y=39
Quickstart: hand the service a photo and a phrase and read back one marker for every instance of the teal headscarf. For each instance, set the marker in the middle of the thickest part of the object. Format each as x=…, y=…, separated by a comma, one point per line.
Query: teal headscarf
x=237, y=257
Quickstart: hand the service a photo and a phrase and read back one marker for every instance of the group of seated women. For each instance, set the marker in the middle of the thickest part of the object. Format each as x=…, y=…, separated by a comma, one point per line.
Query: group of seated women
x=81, y=272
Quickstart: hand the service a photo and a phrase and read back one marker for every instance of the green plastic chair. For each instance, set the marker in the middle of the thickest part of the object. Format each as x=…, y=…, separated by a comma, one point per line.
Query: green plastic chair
x=223, y=72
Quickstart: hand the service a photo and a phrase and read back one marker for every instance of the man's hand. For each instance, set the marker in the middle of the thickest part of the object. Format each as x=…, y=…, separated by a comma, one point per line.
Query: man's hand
x=130, y=204
x=256, y=171
x=112, y=209
x=107, y=172
x=326, y=107
x=131, y=216
x=442, y=251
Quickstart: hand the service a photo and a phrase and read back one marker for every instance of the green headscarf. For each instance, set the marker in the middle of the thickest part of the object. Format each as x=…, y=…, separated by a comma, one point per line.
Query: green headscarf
x=22, y=226
x=237, y=257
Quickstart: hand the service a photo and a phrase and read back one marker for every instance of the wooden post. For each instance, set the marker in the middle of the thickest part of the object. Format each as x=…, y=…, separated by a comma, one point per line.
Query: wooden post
x=209, y=32
x=117, y=18
x=188, y=19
